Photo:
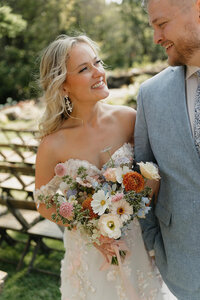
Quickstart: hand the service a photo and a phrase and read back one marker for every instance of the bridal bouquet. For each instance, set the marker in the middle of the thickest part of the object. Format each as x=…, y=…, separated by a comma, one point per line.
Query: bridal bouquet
x=101, y=204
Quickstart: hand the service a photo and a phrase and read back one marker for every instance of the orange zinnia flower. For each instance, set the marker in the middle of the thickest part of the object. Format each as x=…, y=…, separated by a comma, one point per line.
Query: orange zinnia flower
x=87, y=205
x=133, y=181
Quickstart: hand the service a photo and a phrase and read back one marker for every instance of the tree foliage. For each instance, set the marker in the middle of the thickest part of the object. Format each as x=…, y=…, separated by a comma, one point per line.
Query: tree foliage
x=28, y=26
x=10, y=24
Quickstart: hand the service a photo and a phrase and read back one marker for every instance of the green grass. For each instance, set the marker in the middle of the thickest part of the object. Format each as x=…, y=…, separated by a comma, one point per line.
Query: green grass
x=35, y=285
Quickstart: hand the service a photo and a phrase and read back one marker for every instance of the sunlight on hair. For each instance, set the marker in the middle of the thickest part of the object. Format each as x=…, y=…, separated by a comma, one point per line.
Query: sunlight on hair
x=116, y=1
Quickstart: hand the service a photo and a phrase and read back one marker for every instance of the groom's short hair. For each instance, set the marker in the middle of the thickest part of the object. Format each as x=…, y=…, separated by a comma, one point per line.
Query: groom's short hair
x=175, y=2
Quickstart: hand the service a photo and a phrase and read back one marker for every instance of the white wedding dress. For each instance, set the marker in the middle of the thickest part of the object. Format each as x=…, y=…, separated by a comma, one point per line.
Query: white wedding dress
x=81, y=277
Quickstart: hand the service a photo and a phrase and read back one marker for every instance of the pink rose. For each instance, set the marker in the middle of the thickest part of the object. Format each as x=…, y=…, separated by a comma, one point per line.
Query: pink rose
x=110, y=175
x=60, y=170
x=66, y=210
x=117, y=197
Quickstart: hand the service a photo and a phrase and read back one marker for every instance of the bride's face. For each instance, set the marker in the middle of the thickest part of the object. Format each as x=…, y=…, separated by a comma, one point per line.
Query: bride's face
x=85, y=79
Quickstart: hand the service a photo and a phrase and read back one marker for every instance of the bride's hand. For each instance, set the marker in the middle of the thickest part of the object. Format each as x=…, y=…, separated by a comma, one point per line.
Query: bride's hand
x=154, y=185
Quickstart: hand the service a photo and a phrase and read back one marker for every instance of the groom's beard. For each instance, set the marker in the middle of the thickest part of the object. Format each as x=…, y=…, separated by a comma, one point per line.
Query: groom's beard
x=185, y=49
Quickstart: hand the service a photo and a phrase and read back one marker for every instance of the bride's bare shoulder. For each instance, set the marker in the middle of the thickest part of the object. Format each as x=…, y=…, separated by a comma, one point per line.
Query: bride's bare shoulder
x=48, y=156
x=123, y=117
x=123, y=112
x=53, y=141
x=48, y=143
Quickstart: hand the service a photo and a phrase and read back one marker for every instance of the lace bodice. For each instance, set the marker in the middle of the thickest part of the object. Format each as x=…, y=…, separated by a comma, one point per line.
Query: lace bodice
x=122, y=155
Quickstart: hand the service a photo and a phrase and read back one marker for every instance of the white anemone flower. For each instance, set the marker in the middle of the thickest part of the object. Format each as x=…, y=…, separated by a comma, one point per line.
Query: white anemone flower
x=110, y=226
x=123, y=209
x=72, y=199
x=100, y=202
x=120, y=171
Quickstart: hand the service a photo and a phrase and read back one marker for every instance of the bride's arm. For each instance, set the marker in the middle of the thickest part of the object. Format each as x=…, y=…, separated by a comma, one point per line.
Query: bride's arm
x=47, y=213
x=46, y=161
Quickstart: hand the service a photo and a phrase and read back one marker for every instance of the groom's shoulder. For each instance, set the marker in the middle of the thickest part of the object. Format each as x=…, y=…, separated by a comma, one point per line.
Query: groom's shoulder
x=162, y=77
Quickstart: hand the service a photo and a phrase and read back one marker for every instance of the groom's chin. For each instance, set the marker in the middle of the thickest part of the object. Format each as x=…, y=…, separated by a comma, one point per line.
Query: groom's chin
x=175, y=61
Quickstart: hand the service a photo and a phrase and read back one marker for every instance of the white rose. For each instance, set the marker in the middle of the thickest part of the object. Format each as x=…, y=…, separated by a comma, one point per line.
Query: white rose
x=149, y=170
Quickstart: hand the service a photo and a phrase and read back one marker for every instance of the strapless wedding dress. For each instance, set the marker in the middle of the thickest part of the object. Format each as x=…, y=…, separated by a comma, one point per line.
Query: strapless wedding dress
x=81, y=277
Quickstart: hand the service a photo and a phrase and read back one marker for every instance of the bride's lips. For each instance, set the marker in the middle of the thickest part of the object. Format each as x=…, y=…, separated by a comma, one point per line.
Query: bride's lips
x=99, y=84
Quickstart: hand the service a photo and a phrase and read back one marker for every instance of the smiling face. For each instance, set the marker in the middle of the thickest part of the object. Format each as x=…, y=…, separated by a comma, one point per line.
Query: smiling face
x=85, y=79
x=176, y=28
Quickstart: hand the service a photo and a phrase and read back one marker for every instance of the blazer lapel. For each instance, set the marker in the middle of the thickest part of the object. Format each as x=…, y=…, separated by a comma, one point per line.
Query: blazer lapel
x=179, y=109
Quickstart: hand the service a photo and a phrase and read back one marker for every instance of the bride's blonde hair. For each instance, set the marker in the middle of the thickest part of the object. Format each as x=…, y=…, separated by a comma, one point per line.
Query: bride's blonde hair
x=53, y=71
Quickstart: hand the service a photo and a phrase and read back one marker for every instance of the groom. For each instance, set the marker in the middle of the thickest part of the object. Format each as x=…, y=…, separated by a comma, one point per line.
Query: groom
x=168, y=133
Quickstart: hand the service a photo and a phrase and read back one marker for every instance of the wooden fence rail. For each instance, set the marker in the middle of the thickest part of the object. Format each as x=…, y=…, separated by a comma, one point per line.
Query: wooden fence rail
x=17, y=170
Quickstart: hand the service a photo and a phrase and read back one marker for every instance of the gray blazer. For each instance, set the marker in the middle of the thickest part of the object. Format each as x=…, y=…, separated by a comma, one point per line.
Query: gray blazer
x=163, y=135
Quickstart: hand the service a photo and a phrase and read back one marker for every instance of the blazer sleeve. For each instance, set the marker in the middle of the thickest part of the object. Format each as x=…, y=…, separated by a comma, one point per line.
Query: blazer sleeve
x=143, y=152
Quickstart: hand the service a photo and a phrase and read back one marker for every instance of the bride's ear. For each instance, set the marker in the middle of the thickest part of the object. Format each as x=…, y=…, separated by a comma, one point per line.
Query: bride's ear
x=64, y=89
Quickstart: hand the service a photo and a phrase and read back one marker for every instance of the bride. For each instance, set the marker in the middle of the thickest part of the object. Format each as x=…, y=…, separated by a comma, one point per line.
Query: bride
x=78, y=127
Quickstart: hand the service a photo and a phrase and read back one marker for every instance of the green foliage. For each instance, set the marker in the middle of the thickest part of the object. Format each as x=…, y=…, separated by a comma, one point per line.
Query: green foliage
x=27, y=27
x=22, y=286
x=10, y=24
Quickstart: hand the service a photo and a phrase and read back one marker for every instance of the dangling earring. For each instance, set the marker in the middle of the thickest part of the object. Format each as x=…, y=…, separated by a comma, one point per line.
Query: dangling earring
x=68, y=109
x=68, y=104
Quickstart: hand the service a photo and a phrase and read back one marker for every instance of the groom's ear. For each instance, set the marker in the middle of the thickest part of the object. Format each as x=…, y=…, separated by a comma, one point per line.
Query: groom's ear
x=198, y=7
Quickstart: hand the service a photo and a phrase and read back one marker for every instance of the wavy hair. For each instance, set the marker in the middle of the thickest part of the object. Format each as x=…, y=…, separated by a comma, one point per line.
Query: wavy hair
x=53, y=72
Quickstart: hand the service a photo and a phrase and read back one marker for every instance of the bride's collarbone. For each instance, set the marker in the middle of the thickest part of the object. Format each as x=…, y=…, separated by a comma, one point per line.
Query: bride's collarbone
x=95, y=148
x=96, y=156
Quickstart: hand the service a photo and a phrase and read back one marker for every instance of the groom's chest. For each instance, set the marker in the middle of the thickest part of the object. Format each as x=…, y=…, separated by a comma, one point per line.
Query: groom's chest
x=169, y=129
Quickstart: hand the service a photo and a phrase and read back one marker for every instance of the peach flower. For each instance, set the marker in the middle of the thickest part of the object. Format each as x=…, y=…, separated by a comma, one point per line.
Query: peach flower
x=117, y=197
x=110, y=174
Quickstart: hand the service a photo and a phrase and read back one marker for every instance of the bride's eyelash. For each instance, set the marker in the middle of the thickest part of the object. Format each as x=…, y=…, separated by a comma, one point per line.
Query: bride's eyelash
x=99, y=61
x=85, y=68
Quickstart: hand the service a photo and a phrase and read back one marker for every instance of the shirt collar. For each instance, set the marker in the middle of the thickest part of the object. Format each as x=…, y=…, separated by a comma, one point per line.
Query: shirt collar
x=190, y=71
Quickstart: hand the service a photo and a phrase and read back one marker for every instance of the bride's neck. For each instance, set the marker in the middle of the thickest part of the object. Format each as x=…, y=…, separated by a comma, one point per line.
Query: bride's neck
x=88, y=115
